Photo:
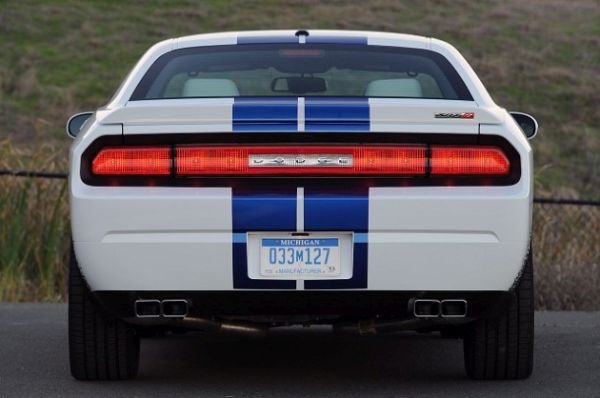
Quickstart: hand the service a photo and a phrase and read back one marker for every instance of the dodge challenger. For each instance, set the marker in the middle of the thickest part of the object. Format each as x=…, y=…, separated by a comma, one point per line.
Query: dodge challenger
x=238, y=182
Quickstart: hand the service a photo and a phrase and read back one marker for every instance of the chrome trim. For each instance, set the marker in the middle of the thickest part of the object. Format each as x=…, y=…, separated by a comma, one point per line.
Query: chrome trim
x=300, y=160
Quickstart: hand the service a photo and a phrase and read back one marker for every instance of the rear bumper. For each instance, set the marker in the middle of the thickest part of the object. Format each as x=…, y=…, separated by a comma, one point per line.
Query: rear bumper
x=415, y=238
x=321, y=306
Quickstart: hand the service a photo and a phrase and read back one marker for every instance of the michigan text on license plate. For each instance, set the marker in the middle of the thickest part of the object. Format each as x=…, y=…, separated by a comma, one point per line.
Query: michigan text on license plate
x=300, y=257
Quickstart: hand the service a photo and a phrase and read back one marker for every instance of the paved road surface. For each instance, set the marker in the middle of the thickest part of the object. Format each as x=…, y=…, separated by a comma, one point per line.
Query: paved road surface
x=295, y=362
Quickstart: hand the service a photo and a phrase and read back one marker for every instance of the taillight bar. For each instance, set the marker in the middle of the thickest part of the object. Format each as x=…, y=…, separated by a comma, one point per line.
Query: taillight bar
x=294, y=160
x=305, y=160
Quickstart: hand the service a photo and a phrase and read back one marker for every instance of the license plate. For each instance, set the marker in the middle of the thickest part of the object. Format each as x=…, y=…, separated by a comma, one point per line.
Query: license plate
x=300, y=257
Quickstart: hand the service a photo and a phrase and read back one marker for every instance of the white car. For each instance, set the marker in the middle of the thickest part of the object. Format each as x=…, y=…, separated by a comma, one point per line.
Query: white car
x=248, y=180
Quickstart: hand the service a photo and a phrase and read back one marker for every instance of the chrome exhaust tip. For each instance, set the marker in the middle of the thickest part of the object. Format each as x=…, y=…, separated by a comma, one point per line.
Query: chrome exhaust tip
x=426, y=308
x=174, y=308
x=147, y=308
x=454, y=308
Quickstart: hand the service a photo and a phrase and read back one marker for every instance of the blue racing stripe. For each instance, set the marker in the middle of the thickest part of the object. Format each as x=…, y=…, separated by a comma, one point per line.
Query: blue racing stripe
x=265, y=114
x=255, y=211
x=336, y=212
x=333, y=39
x=336, y=114
x=340, y=211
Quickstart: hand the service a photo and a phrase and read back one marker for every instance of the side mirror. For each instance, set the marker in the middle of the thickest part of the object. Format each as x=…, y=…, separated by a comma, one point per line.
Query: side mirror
x=76, y=122
x=528, y=124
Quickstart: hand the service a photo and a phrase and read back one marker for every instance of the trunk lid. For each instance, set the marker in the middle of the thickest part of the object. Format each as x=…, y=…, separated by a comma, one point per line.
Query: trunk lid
x=301, y=114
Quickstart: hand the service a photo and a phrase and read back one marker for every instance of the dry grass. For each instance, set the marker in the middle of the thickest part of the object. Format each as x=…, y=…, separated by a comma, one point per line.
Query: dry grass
x=566, y=241
x=34, y=230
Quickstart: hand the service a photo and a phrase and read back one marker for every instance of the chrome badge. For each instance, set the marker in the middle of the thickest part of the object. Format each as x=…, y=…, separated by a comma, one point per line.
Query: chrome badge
x=457, y=115
x=292, y=160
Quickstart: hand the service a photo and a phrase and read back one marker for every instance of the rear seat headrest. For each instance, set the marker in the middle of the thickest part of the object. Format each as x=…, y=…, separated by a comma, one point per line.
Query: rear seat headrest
x=209, y=88
x=406, y=87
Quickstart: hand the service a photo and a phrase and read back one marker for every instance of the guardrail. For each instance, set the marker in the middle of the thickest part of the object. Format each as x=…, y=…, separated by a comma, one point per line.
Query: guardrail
x=35, y=174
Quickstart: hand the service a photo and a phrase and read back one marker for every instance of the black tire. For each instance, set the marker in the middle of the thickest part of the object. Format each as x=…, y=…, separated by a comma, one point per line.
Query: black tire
x=502, y=349
x=101, y=347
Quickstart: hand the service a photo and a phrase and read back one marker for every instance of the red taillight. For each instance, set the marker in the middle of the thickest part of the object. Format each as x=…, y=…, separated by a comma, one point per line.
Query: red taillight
x=121, y=161
x=301, y=160
x=322, y=160
x=471, y=160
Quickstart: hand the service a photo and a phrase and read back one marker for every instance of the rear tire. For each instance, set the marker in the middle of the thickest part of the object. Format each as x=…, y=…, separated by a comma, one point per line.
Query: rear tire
x=101, y=347
x=502, y=348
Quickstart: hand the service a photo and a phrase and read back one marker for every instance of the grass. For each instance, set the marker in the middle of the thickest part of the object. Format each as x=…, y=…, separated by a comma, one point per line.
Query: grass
x=567, y=257
x=34, y=231
x=61, y=57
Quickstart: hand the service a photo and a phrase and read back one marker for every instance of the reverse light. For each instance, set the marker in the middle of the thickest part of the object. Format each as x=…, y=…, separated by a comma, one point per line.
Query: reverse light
x=122, y=161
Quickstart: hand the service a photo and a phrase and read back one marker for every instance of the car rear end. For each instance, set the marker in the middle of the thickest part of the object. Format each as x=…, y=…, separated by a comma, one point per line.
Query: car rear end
x=263, y=179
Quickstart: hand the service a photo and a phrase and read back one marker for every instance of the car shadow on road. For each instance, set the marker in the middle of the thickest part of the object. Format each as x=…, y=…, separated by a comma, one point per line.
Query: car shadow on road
x=315, y=358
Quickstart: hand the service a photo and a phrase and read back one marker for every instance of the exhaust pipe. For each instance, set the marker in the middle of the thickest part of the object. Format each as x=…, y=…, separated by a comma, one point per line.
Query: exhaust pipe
x=147, y=308
x=209, y=325
x=426, y=308
x=174, y=308
x=179, y=308
x=376, y=326
x=454, y=308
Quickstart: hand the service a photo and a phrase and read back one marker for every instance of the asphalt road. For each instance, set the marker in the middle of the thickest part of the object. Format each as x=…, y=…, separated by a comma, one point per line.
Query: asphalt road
x=295, y=362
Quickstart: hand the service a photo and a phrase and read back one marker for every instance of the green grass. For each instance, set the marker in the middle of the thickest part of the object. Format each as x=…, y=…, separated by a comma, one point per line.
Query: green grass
x=61, y=57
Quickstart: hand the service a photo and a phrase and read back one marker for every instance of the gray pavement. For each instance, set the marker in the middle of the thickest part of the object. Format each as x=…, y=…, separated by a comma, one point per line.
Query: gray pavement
x=295, y=362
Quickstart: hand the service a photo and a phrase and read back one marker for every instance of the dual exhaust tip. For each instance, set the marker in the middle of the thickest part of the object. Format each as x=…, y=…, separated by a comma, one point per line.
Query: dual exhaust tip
x=429, y=308
x=172, y=308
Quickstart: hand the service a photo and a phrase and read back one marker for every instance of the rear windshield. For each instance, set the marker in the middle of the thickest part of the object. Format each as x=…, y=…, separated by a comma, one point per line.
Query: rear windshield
x=328, y=70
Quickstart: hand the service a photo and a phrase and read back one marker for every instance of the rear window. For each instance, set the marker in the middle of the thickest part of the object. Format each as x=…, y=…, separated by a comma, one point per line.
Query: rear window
x=328, y=70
